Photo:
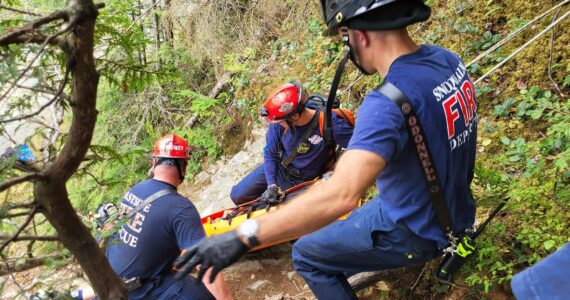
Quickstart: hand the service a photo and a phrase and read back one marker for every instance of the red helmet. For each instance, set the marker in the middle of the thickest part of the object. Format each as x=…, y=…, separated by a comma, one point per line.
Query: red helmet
x=171, y=146
x=284, y=102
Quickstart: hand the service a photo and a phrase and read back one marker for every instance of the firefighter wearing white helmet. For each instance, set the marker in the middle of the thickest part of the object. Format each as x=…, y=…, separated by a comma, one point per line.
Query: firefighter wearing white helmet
x=415, y=136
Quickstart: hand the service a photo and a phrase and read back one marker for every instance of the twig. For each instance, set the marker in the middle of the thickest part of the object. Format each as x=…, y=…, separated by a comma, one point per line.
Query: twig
x=510, y=36
x=554, y=23
x=11, y=216
x=22, y=205
x=32, y=26
x=92, y=177
x=42, y=47
x=19, y=11
x=15, y=236
x=140, y=16
x=419, y=277
x=351, y=84
x=50, y=102
x=30, y=238
x=14, y=181
x=550, y=59
x=43, y=91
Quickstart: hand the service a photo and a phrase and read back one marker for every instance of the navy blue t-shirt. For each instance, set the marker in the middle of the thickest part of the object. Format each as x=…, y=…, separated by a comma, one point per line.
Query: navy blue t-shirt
x=309, y=164
x=148, y=245
x=439, y=89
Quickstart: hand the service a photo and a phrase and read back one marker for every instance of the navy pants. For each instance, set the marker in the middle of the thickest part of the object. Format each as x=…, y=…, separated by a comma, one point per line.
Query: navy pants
x=187, y=288
x=366, y=241
x=254, y=184
x=547, y=279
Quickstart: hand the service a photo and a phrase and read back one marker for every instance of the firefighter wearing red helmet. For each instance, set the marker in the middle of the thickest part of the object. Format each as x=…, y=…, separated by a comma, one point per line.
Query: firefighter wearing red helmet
x=285, y=102
x=415, y=136
x=296, y=150
x=161, y=224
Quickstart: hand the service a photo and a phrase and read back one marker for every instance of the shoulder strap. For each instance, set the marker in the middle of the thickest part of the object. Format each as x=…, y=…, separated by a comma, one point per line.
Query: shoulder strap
x=149, y=200
x=306, y=134
x=417, y=135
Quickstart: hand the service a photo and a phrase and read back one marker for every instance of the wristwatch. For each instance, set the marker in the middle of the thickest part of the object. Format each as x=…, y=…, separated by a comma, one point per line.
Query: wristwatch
x=249, y=230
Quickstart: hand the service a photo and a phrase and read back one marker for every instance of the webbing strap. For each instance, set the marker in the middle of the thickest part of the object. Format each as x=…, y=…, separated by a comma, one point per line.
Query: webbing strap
x=149, y=200
x=417, y=135
x=306, y=134
x=328, y=134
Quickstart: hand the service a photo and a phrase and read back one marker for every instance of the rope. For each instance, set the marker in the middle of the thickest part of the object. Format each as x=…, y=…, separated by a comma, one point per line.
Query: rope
x=522, y=47
x=510, y=36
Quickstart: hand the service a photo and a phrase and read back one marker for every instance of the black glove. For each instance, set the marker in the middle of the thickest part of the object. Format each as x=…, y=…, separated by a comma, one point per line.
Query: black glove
x=271, y=195
x=217, y=252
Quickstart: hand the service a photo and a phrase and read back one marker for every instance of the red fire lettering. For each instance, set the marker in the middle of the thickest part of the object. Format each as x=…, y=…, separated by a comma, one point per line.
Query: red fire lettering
x=451, y=115
x=467, y=89
x=461, y=101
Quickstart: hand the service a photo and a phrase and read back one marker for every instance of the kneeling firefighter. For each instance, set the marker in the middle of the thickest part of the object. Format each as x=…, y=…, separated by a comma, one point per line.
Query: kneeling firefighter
x=296, y=150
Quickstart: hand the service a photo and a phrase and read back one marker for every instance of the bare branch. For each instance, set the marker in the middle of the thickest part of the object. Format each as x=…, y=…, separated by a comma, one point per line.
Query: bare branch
x=141, y=15
x=32, y=26
x=19, y=11
x=14, y=181
x=44, y=90
x=42, y=47
x=22, y=205
x=46, y=105
x=550, y=59
x=11, y=216
x=22, y=227
x=34, y=38
x=30, y=263
x=30, y=238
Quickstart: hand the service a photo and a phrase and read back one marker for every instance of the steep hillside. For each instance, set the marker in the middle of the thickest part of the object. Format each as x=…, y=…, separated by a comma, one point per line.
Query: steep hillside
x=201, y=69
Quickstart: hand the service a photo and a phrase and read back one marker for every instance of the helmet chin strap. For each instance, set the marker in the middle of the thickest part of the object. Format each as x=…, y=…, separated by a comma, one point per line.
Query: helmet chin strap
x=351, y=53
x=179, y=168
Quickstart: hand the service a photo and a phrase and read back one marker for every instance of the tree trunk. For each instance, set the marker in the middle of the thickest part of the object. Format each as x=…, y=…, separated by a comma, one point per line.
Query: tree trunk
x=157, y=36
x=141, y=26
x=366, y=279
x=51, y=193
x=168, y=33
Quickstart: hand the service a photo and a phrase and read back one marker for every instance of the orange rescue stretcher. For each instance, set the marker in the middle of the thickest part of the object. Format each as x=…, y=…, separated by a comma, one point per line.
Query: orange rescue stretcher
x=229, y=219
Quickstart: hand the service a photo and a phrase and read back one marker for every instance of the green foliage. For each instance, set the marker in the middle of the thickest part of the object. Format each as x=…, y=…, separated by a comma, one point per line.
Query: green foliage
x=502, y=110
x=533, y=171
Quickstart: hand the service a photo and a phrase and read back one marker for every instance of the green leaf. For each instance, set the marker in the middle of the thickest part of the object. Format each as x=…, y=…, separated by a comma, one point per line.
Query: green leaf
x=549, y=244
x=514, y=158
x=505, y=140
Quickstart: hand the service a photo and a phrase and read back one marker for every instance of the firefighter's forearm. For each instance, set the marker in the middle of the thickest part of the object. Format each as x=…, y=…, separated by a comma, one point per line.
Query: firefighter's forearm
x=325, y=202
x=218, y=288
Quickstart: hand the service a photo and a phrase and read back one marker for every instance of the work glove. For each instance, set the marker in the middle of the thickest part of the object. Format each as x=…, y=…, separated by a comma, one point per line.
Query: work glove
x=217, y=252
x=271, y=195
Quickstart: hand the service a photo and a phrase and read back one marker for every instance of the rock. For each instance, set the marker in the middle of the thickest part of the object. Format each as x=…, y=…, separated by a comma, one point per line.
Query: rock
x=272, y=261
x=291, y=274
x=382, y=285
x=247, y=266
x=202, y=177
x=254, y=287
x=275, y=297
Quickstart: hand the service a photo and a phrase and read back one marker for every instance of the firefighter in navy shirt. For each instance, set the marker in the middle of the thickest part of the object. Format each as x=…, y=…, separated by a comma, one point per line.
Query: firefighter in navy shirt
x=399, y=226
x=145, y=248
x=290, y=118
